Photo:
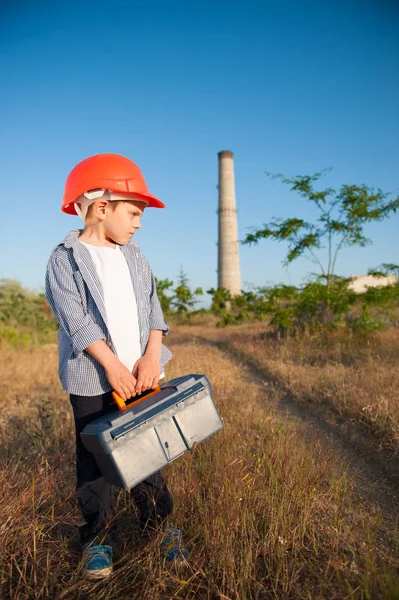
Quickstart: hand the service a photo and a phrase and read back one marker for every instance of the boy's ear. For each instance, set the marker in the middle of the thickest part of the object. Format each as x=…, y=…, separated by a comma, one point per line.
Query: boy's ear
x=99, y=209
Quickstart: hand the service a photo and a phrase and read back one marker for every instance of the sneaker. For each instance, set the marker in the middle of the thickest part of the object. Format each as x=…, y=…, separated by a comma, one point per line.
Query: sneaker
x=172, y=547
x=97, y=562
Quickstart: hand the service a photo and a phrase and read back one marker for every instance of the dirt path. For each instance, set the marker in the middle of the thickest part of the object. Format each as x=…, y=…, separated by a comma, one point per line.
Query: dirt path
x=374, y=471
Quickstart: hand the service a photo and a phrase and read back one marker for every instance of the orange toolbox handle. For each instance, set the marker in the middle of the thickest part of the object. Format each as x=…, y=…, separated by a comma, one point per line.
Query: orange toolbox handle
x=122, y=403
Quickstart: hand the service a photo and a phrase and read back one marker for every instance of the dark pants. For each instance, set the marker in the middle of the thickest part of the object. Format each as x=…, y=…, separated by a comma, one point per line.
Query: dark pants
x=95, y=495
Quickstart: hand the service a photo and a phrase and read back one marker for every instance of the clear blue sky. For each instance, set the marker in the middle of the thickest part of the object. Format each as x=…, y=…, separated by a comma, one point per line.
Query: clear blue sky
x=288, y=86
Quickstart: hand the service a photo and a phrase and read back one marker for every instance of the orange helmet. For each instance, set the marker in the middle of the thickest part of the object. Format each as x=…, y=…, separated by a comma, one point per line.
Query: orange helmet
x=108, y=171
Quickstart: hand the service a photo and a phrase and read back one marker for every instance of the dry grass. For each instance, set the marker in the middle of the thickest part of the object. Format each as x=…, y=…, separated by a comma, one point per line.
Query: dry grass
x=266, y=514
x=355, y=375
x=358, y=377
x=27, y=376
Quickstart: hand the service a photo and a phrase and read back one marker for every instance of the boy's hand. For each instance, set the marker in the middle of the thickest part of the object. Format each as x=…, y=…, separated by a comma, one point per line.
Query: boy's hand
x=117, y=374
x=146, y=371
x=122, y=380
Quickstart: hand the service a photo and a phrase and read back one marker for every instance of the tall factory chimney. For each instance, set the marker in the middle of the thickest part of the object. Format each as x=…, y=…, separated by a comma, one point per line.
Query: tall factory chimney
x=228, y=258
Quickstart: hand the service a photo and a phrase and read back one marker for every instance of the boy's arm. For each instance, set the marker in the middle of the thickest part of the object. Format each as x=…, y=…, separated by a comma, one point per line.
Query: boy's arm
x=146, y=370
x=66, y=304
x=154, y=345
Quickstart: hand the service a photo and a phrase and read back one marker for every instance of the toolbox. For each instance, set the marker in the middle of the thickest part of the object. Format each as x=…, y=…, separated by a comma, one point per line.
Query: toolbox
x=135, y=440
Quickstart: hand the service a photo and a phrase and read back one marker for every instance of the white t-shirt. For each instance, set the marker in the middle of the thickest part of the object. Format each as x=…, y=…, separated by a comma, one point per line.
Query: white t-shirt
x=119, y=300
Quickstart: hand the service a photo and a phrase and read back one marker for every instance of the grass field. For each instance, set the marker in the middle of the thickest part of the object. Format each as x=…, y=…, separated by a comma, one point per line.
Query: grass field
x=268, y=511
x=354, y=375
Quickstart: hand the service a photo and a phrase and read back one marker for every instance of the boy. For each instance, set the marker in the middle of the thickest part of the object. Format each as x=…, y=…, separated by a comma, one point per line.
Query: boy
x=102, y=292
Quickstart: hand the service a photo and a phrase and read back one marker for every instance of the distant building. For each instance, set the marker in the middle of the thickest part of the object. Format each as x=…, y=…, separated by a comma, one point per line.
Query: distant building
x=360, y=283
x=228, y=244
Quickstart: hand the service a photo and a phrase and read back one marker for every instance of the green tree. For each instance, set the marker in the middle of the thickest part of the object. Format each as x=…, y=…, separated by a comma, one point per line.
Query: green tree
x=221, y=306
x=221, y=297
x=342, y=217
x=184, y=299
x=25, y=316
x=15, y=301
x=384, y=270
x=162, y=286
x=22, y=307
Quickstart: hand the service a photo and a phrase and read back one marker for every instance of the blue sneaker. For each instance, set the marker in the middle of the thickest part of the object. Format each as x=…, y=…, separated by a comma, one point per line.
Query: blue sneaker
x=172, y=547
x=97, y=562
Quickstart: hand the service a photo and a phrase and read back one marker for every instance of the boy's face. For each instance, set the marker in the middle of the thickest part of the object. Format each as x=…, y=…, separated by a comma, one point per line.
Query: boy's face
x=122, y=220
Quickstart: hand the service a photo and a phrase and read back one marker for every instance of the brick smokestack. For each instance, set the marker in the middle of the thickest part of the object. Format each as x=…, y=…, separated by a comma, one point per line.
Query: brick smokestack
x=228, y=255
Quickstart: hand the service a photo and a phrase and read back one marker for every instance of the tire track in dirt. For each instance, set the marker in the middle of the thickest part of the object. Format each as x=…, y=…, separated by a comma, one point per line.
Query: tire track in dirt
x=374, y=472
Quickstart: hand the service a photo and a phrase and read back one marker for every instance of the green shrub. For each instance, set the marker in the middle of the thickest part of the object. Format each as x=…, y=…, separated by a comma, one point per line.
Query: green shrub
x=311, y=308
x=12, y=337
x=25, y=317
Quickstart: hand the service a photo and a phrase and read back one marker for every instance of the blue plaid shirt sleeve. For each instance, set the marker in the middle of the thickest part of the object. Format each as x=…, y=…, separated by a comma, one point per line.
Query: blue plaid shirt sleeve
x=65, y=301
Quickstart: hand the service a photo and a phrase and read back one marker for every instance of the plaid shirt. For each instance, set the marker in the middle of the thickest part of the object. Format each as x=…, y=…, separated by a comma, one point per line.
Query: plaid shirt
x=75, y=295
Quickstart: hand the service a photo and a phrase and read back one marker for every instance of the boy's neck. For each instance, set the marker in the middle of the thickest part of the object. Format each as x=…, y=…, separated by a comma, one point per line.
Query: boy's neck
x=94, y=235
